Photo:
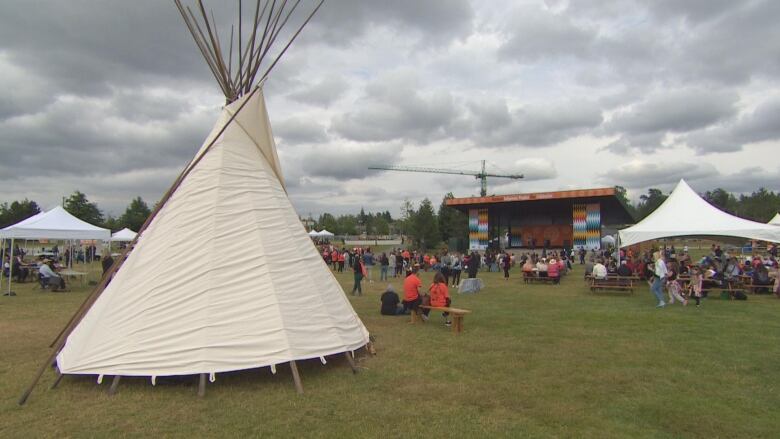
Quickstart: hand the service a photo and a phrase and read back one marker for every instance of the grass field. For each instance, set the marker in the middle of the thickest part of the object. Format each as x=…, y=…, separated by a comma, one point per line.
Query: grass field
x=534, y=361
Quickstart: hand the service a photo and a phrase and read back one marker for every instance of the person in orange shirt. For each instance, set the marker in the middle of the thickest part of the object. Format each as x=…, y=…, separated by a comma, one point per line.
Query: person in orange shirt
x=426, y=262
x=412, y=285
x=440, y=296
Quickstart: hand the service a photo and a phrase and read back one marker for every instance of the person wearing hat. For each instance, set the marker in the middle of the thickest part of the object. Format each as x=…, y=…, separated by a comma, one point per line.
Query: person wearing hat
x=50, y=277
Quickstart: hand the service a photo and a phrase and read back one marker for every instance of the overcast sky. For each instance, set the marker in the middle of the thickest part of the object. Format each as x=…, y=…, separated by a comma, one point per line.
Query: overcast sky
x=112, y=98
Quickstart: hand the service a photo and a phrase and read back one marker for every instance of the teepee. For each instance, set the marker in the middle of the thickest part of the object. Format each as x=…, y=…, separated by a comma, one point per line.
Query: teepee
x=176, y=308
x=775, y=221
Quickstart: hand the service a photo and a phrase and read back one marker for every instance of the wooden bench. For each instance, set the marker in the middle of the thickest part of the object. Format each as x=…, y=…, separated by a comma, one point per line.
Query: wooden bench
x=456, y=313
x=532, y=277
x=615, y=283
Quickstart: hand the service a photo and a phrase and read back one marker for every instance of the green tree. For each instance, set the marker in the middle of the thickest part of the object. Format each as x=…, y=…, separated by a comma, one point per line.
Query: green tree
x=622, y=196
x=721, y=199
x=760, y=205
x=380, y=225
x=79, y=206
x=426, y=226
x=328, y=222
x=406, y=224
x=347, y=225
x=17, y=211
x=452, y=222
x=649, y=202
x=135, y=215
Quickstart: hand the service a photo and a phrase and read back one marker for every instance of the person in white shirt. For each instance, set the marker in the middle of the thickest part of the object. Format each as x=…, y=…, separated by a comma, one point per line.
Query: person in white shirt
x=657, y=287
x=50, y=277
x=599, y=270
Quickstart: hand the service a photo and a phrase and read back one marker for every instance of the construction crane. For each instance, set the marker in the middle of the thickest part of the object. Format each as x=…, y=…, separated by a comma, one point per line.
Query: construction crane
x=482, y=175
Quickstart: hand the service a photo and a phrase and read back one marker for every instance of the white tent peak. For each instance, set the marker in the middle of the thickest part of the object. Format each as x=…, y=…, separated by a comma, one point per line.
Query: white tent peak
x=775, y=220
x=124, y=235
x=685, y=213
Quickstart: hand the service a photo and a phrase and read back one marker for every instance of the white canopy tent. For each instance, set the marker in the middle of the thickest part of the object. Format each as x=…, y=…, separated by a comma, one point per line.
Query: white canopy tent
x=685, y=213
x=56, y=223
x=776, y=220
x=608, y=240
x=124, y=235
x=313, y=233
x=325, y=234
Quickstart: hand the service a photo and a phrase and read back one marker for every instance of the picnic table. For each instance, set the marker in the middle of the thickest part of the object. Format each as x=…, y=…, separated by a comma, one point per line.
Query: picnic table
x=536, y=276
x=613, y=282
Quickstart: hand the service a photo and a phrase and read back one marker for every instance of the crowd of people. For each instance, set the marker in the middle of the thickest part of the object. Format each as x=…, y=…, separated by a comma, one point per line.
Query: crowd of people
x=685, y=279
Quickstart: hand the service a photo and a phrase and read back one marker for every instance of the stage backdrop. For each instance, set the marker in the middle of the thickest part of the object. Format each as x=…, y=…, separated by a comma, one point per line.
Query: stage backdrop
x=586, y=225
x=478, y=229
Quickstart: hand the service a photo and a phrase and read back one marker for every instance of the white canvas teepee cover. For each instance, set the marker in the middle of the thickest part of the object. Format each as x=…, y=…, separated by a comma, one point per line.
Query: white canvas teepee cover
x=685, y=213
x=775, y=220
x=224, y=278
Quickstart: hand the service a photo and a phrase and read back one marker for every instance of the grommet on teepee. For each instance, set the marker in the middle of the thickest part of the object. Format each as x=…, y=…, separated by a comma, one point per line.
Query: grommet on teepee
x=225, y=316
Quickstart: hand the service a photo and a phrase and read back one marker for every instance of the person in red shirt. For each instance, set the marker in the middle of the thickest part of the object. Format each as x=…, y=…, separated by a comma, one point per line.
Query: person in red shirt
x=412, y=285
x=440, y=296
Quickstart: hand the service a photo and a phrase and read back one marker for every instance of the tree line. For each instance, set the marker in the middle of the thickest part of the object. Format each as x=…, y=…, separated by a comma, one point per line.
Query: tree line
x=425, y=225
x=760, y=205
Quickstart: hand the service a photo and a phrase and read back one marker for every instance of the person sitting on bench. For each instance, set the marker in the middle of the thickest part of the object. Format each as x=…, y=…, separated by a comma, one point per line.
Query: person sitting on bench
x=553, y=271
x=49, y=277
x=412, y=285
x=624, y=270
x=440, y=296
x=599, y=270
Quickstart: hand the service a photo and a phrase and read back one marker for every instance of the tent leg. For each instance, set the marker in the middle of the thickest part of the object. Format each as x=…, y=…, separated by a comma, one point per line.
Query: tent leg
x=56, y=381
x=114, y=385
x=11, y=270
x=296, y=377
x=202, y=385
x=351, y=362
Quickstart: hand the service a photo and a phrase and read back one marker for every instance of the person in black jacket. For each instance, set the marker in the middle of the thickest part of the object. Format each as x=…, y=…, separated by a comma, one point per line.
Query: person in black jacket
x=474, y=260
x=390, y=303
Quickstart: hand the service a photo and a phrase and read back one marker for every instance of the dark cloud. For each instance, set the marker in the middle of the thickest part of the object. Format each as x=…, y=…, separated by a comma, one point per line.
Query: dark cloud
x=762, y=124
x=434, y=21
x=299, y=130
x=348, y=162
x=493, y=124
x=534, y=34
x=644, y=125
x=395, y=107
x=322, y=93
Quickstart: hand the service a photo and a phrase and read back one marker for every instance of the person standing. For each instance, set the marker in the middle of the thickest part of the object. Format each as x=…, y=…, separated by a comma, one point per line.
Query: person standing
x=368, y=263
x=358, y=270
x=384, y=264
x=506, y=264
x=391, y=263
x=474, y=262
x=456, y=269
x=659, y=278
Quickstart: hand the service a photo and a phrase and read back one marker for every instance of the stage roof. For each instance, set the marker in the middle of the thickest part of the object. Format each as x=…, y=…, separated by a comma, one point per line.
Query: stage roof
x=606, y=196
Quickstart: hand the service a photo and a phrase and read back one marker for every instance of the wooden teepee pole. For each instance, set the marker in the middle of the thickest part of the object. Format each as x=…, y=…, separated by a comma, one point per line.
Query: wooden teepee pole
x=81, y=312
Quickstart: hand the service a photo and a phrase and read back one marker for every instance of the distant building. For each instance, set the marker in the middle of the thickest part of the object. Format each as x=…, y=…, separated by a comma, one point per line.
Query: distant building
x=308, y=223
x=559, y=219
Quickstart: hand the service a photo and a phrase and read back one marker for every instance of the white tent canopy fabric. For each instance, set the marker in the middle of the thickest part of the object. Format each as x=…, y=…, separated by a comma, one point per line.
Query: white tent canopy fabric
x=124, y=235
x=685, y=213
x=178, y=309
x=325, y=234
x=313, y=233
x=776, y=220
x=56, y=223
x=608, y=239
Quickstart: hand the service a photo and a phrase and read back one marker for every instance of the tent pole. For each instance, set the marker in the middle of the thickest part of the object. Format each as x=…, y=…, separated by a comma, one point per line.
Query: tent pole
x=296, y=377
x=11, y=269
x=202, y=385
x=56, y=381
x=351, y=361
x=114, y=385
x=2, y=258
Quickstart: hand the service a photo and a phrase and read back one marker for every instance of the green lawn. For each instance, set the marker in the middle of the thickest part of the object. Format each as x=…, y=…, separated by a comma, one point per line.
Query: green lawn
x=536, y=361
